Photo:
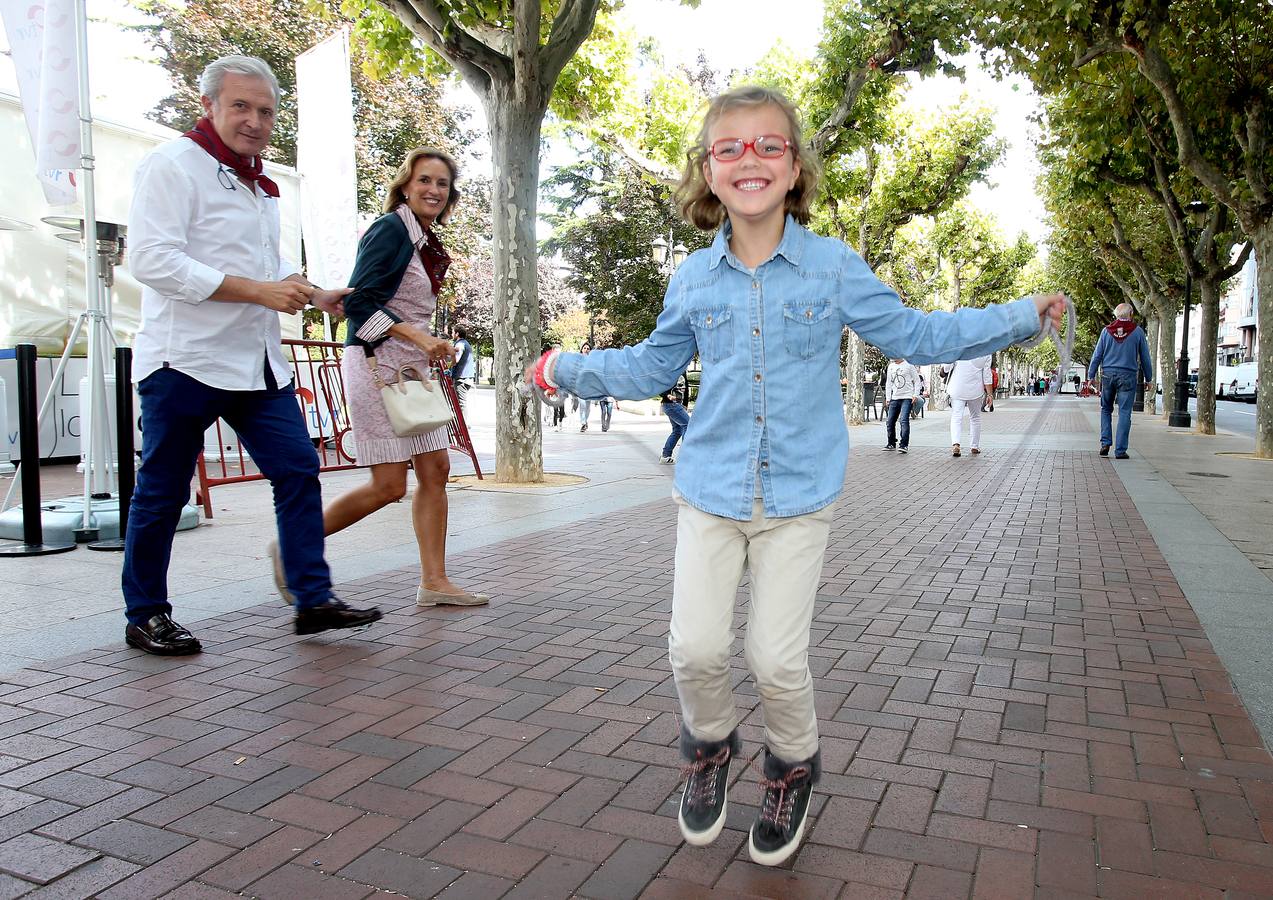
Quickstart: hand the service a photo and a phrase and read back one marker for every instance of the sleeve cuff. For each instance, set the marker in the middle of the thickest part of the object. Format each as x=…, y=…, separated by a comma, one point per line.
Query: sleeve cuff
x=1025, y=319
x=376, y=327
x=202, y=282
x=566, y=370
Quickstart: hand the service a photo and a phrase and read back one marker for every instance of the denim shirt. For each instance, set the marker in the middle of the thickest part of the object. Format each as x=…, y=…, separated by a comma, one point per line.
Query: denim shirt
x=769, y=401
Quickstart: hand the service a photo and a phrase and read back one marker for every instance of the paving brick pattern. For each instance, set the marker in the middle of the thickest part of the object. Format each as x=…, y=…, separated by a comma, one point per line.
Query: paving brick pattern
x=1015, y=698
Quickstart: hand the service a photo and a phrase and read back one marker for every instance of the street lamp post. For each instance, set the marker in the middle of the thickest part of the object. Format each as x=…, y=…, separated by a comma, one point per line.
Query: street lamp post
x=1180, y=417
x=666, y=256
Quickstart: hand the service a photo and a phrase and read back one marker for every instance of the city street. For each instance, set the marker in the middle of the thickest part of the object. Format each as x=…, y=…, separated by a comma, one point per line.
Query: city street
x=1016, y=696
x=1231, y=415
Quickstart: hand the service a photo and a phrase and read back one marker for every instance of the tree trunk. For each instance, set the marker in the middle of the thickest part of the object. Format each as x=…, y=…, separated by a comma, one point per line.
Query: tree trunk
x=1167, y=352
x=936, y=389
x=854, y=375
x=1151, y=393
x=1209, y=310
x=1261, y=235
x=515, y=123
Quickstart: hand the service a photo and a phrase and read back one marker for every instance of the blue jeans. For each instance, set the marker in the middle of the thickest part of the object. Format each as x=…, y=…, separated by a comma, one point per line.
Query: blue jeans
x=679, y=416
x=1117, y=385
x=175, y=412
x=899, y=408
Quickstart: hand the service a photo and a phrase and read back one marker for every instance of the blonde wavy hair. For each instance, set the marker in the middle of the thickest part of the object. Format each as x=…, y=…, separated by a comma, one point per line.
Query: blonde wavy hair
x=394, y=197
x=699, y=205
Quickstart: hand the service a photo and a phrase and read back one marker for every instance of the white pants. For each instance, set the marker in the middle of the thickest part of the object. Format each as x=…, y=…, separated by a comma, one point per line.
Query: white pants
x=784, y=557
x=957, y=408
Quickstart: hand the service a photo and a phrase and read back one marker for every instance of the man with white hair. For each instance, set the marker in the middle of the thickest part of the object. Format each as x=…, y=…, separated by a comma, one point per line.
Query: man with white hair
x=204, y=233
x=1121, y=352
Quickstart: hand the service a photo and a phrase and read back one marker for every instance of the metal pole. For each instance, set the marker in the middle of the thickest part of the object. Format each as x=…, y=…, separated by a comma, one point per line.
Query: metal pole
x=29, y=463
x=124, y=442
x=1180, y=417
x=96, y=404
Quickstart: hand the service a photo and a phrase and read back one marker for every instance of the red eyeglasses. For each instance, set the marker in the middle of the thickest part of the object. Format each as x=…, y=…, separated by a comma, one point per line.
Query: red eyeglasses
x=767, y=146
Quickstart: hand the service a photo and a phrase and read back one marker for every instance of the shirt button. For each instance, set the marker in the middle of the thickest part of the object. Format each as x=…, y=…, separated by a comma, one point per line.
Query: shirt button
x=808, y=314
x=757, y=376
x=755, y=332
x=764, y=465
x=755, y=285
x=760, y=419
x=709, y=320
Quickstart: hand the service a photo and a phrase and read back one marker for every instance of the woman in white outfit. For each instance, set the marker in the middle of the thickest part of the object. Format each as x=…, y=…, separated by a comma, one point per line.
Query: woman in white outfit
x=970, y=385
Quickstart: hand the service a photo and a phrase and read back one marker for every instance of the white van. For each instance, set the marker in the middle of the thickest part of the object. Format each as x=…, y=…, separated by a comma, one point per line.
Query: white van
x=1225, y=381
x=1245, y=381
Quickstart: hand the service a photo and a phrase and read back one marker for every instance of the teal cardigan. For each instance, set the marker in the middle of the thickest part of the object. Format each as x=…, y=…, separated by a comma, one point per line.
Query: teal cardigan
x=383, y=256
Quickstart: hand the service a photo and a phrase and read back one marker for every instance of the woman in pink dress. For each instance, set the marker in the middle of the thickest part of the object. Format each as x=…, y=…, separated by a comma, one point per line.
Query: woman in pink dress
x=396, y=280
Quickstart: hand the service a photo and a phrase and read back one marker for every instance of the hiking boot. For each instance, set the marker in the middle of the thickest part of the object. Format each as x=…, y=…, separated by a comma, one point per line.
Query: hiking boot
x=778, y=828
x=703, y=804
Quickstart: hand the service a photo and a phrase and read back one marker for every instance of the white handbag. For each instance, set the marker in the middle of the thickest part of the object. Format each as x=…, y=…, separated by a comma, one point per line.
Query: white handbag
x=415, y=402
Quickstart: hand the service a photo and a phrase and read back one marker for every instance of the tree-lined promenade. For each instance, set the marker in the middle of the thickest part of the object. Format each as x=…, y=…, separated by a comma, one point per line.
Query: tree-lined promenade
x=1148, y=111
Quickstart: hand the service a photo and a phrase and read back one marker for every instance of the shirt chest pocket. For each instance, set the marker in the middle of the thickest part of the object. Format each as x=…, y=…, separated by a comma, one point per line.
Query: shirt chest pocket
x=807, y=327
x=713, y=332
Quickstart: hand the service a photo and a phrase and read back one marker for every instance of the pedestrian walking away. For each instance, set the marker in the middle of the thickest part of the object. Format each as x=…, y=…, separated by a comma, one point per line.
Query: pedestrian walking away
x=970, y=387
x=901, y=391
x=671, y=402
x=464, y=372
x=204, y=230
x=397, y=277
x=1121, y=354
x=761, y=466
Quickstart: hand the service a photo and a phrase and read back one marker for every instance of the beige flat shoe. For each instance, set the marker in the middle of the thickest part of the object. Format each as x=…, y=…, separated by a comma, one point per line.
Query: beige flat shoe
x=280, y=576
x=426, y=597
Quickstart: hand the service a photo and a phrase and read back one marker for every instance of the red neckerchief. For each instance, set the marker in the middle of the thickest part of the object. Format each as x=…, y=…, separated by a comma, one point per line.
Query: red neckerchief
x=433, y=256
x=1121, y=329
x=435, y=260
x=205, y=135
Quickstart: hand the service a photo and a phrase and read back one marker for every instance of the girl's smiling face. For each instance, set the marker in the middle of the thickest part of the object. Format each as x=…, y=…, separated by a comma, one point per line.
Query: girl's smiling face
x=752, y=189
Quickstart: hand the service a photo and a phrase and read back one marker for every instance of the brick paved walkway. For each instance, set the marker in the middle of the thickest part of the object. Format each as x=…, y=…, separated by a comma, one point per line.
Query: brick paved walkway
x=1007, y=710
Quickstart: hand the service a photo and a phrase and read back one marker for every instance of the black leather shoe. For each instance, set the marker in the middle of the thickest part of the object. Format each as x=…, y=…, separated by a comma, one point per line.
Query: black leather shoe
x=162, y=636
x=1121, y=456
x=333, y=614
x=1104, y=449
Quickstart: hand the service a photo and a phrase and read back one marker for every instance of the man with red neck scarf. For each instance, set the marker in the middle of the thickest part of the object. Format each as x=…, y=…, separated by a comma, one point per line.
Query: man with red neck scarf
x=1121, y=352
x=204, y=231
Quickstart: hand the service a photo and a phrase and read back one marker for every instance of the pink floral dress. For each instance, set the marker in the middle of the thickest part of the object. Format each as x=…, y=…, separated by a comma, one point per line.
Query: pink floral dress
x=374, y=438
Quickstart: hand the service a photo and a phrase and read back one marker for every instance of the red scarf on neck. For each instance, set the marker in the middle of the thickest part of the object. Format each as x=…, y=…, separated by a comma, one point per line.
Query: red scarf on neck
x=249, y=169
x=435, y=259
x=1121, y=329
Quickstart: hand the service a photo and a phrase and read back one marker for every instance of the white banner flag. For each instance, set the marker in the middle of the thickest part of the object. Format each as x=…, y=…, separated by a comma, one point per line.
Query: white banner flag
x=325, y=161
x=42, y=39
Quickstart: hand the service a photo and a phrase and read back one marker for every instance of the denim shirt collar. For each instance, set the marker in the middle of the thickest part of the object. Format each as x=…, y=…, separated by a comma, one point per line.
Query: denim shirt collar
x=791, y=247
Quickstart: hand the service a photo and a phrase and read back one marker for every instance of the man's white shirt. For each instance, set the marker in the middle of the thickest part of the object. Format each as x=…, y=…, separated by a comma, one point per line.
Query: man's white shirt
x=901, y=381
x=192, y=223
x=970, y=378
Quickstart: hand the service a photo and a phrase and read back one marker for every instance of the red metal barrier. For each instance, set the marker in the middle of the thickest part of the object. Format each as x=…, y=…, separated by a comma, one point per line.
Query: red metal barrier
x=321, y=393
